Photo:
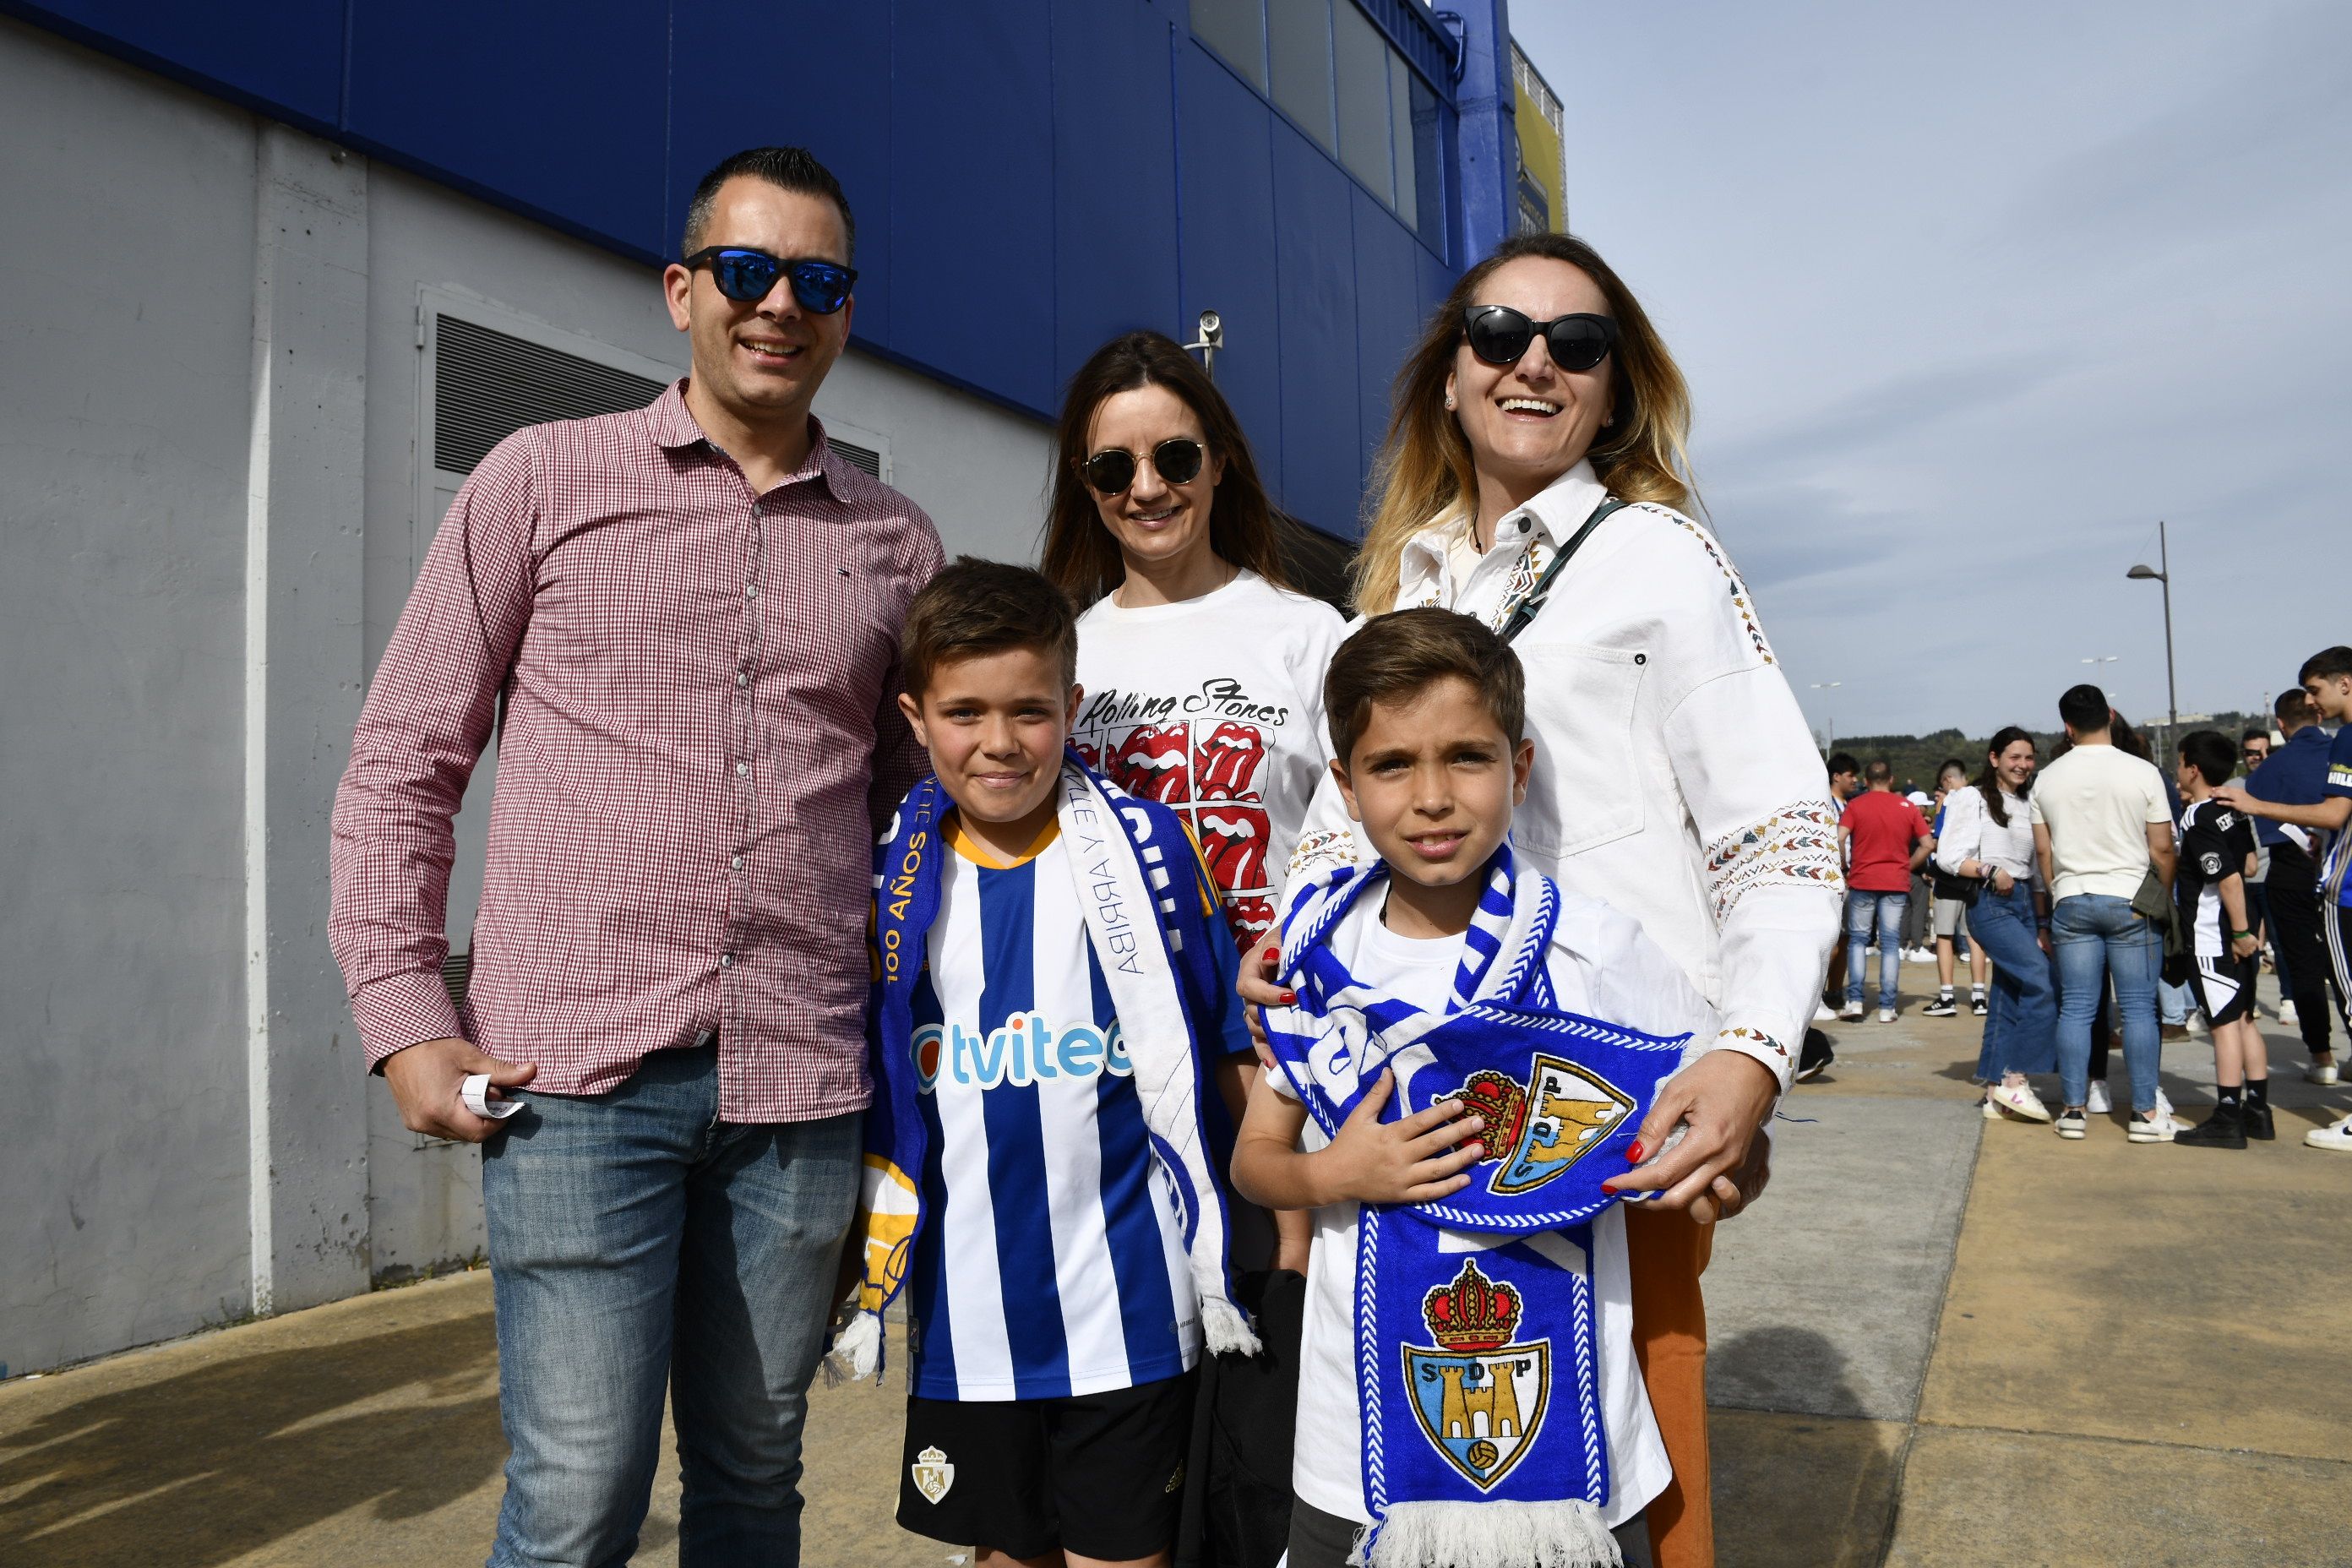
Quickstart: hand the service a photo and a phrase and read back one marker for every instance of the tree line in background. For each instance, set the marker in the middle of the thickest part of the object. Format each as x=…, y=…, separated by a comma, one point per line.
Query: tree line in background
x=1915, y=758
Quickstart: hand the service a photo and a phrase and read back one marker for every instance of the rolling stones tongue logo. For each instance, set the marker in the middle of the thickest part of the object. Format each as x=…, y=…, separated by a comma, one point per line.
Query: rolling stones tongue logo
x=1153, y=762
x=1250, y=918
x=1225, y=766
x=1232, y=841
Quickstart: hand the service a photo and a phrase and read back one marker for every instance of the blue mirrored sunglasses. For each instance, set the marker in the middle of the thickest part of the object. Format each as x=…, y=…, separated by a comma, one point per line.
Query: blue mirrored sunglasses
x=748, y=277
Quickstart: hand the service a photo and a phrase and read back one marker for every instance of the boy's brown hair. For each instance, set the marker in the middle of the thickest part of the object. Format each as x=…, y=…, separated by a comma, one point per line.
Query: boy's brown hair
x=1396, y=657
x=975, y=608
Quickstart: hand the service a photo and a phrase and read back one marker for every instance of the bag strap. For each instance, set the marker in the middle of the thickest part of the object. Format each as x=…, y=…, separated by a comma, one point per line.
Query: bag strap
x=1523, y=614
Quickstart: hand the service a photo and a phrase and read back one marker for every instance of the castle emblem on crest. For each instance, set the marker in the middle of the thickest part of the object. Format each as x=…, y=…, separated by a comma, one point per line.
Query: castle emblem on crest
x=1480, y=1397
x=933, y=1474
x=1537, y=1130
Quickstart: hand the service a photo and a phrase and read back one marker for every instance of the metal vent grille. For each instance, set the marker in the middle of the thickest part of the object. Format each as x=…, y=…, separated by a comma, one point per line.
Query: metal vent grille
x=487, y=384
x=856, y=457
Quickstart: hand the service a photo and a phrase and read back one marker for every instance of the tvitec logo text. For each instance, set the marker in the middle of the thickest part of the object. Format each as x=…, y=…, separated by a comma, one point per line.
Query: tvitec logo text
x=1027, y=1050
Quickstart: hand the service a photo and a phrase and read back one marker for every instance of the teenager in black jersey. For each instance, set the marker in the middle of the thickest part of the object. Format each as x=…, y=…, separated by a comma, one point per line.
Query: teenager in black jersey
x=2216, y=853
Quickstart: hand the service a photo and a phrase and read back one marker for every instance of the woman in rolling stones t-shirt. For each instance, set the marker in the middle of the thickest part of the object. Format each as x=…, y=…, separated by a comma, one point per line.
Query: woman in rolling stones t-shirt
x=1202, y=672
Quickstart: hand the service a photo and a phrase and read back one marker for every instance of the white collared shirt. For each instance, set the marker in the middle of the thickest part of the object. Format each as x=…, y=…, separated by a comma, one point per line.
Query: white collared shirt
x=1675, y=774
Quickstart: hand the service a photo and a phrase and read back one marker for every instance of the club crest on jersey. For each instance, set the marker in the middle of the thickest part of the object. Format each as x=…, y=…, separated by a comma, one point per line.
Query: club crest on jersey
x=933, y=1474
x=1536, y=1130
x=1480, y=1396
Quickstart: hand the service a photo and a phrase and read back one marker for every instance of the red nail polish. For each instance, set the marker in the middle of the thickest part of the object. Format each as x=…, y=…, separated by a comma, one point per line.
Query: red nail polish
x=1634, y=1153
x=1289, y=998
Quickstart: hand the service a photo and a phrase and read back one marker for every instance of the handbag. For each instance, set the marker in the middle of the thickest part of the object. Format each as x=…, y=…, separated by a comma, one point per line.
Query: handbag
x=2153, y=900
x=1950, y=885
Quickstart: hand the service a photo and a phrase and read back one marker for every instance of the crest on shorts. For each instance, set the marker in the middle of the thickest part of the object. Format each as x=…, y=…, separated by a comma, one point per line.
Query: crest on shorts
x=1537, y=1130
x=1480, y=1397
x=933, y=1474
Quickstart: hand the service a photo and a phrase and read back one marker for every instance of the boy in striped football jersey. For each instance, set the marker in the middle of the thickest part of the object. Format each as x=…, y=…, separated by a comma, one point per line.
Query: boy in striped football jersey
x=1054, y=1322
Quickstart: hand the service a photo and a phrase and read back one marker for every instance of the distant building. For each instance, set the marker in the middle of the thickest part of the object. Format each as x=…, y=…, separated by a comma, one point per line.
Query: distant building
x=1542, y=185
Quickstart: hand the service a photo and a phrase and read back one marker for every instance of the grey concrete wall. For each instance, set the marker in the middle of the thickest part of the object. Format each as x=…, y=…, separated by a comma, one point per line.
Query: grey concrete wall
x=126, y=333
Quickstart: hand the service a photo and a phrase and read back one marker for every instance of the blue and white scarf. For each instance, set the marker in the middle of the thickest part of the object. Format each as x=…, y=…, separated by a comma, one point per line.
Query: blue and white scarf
x=1478, y=1364
x=1133, y=865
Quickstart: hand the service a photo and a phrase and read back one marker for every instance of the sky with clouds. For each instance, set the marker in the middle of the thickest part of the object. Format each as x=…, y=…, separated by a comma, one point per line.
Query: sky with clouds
x=1971, y=296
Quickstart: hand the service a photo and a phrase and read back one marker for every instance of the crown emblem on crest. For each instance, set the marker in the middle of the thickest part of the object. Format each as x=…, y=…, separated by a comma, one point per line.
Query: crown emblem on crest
x=1473, y=1313
x=1500, y=1104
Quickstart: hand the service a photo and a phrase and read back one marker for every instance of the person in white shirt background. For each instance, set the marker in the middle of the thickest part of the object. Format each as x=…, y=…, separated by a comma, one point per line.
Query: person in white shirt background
x=1201, y=680
x=1987, y=841
x=1951, y=910
x=2102, y=821
x=1674, y=777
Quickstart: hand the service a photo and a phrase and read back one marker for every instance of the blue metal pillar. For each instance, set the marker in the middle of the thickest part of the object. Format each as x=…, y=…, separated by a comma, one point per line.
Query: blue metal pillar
x=1488, y=165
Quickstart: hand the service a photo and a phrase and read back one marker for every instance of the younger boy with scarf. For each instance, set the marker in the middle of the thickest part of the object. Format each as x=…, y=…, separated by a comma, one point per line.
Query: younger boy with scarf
x=1470, y=1050
x=1054, y=995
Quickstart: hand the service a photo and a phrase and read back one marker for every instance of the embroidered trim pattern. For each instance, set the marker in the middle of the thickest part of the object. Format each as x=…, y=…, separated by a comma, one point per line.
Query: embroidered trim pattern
x=1798, y=842
x=1740, y=599
x=1741, y=1035
x=1321, y=849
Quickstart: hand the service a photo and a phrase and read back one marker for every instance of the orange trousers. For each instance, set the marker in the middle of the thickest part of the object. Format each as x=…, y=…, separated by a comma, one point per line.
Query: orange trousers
x=1668, y=1251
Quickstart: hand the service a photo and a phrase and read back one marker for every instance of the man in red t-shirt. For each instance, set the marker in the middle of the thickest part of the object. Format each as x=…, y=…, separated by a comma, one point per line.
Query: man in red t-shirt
x=1885, y=839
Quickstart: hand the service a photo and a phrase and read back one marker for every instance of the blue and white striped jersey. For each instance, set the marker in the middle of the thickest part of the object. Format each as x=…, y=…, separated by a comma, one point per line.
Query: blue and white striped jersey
x=1051, y=1261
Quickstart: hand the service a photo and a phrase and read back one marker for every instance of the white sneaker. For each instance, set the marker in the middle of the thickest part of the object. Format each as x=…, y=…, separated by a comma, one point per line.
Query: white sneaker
x=2196, y=1025
x=2019, y=1101
x=2164, y=1113
x=2321, y=1073
x=1886, y=1015
x=1824, y=1014
x=1851, y=1013
x=2336, y=1137
x=1921, y=955
x=2286, y=1013
x=2159, y=1131
x=1991, y=1111
x=2096, y=1102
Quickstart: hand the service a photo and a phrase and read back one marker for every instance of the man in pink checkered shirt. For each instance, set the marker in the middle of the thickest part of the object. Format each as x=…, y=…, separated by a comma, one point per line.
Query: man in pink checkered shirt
x=690, y=615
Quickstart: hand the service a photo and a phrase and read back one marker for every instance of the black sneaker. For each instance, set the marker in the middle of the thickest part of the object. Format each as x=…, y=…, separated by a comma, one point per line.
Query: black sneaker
x=2255, y=1120
x=1941, y=1007
x=1813, y=1055
x=1978, y=1006
x=2221, y=1130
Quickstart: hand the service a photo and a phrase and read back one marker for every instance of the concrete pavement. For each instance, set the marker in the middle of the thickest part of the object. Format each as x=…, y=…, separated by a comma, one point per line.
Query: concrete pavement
x=1939, y=1340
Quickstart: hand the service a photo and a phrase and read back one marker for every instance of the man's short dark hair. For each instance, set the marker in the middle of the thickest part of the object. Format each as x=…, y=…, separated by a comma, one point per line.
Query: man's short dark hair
x=1843, y=762
x=2210, y=753
x=1394, y=658
x=2295, y=706
x=786, y=168
x=2327, y=664
x=2084, y=709
x=2262, y=735
x=976, y=607
x=1880, y=771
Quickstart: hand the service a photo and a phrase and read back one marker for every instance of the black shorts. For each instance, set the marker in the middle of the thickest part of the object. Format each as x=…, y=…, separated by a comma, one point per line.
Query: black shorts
x=2225, y=987
x=1101, y=1475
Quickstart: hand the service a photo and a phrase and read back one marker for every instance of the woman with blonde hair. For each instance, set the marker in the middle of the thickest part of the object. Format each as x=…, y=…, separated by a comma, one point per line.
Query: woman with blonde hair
x=1535, y=475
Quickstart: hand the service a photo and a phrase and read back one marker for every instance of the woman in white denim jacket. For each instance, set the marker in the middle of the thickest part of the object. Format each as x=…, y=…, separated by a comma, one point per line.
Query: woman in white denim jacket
x=1674, y=776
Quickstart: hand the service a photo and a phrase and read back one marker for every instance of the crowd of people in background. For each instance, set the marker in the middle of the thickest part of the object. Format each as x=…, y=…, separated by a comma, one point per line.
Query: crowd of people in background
x=2105, y=892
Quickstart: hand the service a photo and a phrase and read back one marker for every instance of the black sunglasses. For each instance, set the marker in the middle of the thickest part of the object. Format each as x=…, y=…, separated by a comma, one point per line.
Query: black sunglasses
x=1176, y=460
x=1500, y=335
x=748, y=277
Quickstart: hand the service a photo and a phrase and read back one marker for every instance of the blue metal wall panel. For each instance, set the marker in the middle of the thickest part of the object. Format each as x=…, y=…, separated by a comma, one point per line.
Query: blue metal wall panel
x=971, y=194
x=1114, y=241
x=1388, y=319
x=1226, y=162
x=1316, y=282
x=563, y=109
x=842, y=114
x=283, y=55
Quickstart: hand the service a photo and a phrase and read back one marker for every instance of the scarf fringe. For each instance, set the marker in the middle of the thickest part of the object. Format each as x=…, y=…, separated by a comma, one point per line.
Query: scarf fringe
x=1227, y=1328
x=1566, y=1534
x=856, y=1353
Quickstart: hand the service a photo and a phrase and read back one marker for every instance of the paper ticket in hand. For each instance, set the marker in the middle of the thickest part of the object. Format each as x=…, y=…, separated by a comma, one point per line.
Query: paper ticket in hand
x=476, y=1093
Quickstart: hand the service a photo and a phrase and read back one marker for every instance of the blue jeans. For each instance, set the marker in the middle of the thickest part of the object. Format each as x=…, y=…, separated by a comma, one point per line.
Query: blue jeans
x=2023, y=1009
x=1886, y=910
x=637, y=1241
x=2096, y=935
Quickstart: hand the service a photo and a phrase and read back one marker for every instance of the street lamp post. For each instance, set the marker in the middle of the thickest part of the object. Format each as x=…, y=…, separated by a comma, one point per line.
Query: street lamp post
x=2162, y=572
x=1831, y=718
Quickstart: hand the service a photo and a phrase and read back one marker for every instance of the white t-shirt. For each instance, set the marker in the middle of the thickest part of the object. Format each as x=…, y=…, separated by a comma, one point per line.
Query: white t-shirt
x=2097, y=802
x=1214, y=706
x=1602, y=965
